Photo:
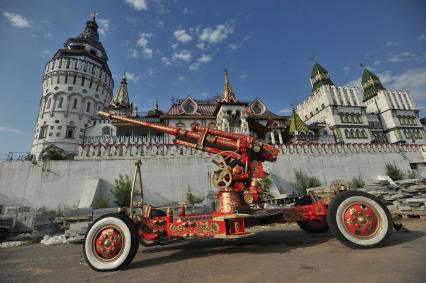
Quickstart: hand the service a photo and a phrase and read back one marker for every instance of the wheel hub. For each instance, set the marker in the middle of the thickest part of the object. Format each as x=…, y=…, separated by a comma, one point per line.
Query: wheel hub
x=108, y=243
x=361, y=220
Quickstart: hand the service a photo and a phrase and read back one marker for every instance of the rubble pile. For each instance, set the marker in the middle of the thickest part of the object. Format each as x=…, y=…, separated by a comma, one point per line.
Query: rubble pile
x=406, y=198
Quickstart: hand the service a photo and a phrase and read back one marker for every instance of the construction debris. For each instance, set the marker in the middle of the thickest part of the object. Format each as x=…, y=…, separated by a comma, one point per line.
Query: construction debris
x=407, y=198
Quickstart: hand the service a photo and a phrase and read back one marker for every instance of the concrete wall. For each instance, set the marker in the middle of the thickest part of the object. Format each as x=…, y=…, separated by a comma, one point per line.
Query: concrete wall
x=58, y=184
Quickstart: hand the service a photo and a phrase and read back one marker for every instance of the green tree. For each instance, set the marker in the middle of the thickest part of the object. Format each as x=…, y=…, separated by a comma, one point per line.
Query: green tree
x=302, y=181
x=53, y=154
x=191, y=199
x=100, y=202
x=122, y=190
x=411, y=175
x=394, y=172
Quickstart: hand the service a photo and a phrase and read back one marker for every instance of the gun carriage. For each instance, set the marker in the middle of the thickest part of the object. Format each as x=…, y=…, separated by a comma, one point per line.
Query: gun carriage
x=357, y=219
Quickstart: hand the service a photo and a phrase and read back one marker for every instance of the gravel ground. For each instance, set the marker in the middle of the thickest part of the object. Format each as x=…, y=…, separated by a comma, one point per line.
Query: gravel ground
x=273, y=254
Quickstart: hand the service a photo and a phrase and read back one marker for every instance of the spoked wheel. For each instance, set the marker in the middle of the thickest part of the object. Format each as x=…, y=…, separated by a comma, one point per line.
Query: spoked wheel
x=311, y=226
x=359, y=220
x=110, y=243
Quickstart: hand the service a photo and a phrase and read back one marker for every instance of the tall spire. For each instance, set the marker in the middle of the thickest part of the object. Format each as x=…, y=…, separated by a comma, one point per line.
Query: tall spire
x=319, y=77
x=91, y=29
x=371, y=84
x=121, y=98
x=297, y=126
x=228, y=94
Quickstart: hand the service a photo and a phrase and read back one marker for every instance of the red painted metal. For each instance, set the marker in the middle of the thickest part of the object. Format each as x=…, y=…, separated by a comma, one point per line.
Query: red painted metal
x=361, y=220
x=109, y=243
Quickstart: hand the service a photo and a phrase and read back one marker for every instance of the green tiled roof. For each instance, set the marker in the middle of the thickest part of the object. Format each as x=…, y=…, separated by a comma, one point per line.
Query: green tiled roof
x=319, y=77
x=297, y=125
x=371, y=84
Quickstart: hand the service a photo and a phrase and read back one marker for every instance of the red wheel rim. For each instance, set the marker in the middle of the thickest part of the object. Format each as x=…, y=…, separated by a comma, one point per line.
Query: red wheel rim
x=108, y=243
x=361, y=220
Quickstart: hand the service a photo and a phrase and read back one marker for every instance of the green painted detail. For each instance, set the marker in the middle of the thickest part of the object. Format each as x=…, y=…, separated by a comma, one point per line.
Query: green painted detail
x=338, y=135
x=371, y=85
x=296, y=125
x=319, y=77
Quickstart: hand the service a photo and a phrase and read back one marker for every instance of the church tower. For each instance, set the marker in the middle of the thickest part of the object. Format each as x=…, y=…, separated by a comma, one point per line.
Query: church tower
x=77, y=83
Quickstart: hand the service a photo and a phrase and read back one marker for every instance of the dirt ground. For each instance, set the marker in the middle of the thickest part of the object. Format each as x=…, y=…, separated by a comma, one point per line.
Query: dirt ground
x=277, y=254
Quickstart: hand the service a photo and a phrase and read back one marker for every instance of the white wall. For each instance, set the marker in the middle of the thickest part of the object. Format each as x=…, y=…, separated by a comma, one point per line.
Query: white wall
x=56, y=184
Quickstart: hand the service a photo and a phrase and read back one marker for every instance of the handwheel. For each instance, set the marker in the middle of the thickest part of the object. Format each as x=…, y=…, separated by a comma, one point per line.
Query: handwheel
x=359, y=220
x=110, y=243
x=311, y=226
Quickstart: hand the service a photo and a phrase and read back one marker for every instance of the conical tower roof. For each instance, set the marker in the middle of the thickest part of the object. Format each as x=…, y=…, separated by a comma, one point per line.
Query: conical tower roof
x=319, y=77
x=121, y=99
x=371, y=84
x=228, y=94
x=91, y=29
x=297, y=126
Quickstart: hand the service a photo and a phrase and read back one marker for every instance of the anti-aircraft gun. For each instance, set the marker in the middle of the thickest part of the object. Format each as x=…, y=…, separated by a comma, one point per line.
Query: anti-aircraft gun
x=239, y=157
x=357, y=219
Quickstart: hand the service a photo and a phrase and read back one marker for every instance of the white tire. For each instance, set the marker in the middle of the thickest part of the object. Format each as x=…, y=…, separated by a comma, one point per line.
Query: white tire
x=110, y=243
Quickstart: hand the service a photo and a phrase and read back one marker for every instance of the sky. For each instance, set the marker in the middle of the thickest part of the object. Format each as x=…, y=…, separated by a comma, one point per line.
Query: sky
x=180, y=48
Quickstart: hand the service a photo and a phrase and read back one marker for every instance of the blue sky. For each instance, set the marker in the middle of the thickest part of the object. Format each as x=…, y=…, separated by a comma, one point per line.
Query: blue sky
x=179, y=48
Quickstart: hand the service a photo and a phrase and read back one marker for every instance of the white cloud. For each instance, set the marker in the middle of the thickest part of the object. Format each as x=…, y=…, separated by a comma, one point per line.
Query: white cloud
x=10, y=130
x=182, y=36
x=377, y=63
x=402, y=57
x=286, y=111
x=138, y=4
x=233, y=46
x=103, y=26
x=132, y=77
x=243, y=76
x=183, y=55
x=422, y=37
x=204, y=58
x=143, y=42
x=392, y=44
x=216, y=35
x=45, y=51
x=132, y=53
x=201, y=45
x=48, y=35
x=17, y=20
x=181, y=78
x=174, y=45
x=346, y=69
x=166, y=61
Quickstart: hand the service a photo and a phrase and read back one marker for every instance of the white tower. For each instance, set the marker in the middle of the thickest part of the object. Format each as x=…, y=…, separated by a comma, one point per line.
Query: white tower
x=77, y=83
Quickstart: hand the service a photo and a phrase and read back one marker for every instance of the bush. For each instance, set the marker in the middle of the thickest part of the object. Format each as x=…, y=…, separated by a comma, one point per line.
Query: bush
x=101, y=202
x=357, y=182
x=411, y=175
x=122, y=190
x=303, y=181
x=191, y=199
x=55, y=155
x=394, y=172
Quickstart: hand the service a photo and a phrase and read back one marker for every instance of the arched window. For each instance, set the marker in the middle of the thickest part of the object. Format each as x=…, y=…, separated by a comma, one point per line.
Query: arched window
x=364, y=134
x=352, y=134
x=347, y=133
x=74, y=105
x=61, y=101
x=88, y=107
x=106, y=131
x=358, y=134
x=48, y=103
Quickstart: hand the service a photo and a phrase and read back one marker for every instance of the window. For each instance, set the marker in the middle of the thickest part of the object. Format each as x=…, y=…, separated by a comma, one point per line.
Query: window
x=69, y=132
x=82, y=81
x=74, y=105
x=88, y=107
x=43, y=132
x=48, y=103
x=347, y=133
x=364, y=134
x=61, y=101
x=106, y=131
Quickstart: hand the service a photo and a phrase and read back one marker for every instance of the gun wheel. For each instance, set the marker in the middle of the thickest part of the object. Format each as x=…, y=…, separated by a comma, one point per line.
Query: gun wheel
x=359, y=220
x=110, y=243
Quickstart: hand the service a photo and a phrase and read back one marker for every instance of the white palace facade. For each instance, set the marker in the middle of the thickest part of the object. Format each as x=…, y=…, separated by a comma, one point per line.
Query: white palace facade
x=77, y=83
